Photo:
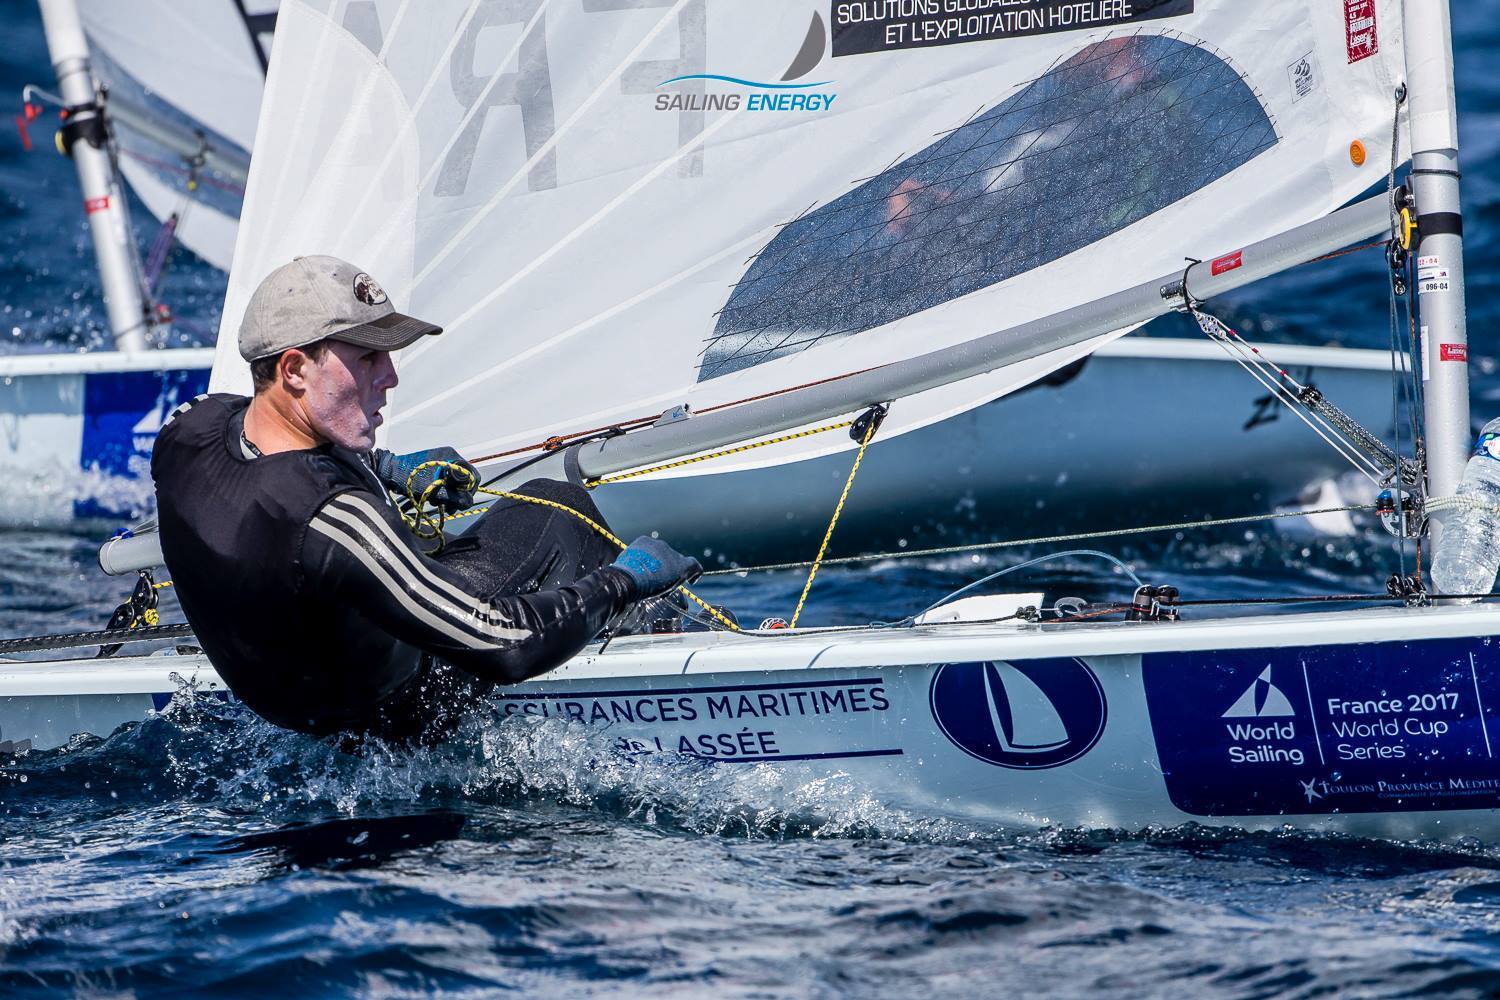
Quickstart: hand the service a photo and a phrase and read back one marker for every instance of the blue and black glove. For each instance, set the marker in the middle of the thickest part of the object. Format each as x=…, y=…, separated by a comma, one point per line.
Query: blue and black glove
x=654, y=567
x=413, y=473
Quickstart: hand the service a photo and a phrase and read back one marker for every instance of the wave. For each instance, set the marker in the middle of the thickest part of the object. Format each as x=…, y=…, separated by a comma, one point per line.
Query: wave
x=205, y=752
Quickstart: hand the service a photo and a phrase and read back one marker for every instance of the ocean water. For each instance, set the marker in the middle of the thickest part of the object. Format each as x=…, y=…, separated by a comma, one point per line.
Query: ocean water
x=202, y=851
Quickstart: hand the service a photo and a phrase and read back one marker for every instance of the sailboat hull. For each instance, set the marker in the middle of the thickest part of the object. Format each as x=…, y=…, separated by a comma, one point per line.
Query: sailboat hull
x=79, y=428
x=1382, y=723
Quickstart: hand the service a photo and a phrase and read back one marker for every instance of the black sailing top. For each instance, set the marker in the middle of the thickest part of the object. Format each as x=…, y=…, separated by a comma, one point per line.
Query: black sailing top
x=310, y=596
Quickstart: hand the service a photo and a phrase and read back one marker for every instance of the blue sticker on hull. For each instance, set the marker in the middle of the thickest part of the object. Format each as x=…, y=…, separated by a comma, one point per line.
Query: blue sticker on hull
x=1381, y=727
x=122, y=413
x=1028, y=715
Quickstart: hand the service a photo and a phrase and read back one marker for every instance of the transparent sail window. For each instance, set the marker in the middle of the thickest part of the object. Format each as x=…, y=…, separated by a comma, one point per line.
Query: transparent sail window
x=1120, y=130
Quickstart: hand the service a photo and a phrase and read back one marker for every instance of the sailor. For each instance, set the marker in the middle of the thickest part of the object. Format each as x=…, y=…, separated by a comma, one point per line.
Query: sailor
x=308, y=592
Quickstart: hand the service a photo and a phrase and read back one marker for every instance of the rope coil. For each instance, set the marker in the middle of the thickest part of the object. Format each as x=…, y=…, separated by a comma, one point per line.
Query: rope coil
x=425, y=524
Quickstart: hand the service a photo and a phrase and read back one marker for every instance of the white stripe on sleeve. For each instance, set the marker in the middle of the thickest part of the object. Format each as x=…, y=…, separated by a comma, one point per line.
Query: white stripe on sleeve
x=467, y=621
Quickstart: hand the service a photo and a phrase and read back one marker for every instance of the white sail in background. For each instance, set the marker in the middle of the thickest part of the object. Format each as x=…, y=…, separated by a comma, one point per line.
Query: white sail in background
x=618, y=206
x=198, y=63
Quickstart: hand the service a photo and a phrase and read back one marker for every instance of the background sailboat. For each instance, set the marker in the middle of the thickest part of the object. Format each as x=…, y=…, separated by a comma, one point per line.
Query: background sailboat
x=182, y=87
x=198, y=66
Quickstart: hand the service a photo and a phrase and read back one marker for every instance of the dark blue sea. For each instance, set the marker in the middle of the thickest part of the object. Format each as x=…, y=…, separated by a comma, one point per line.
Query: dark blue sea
x=201, y=852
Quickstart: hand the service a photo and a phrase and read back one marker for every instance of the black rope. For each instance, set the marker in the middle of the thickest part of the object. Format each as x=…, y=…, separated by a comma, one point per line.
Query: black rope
x=604, y=435
x=1398, y=383
x=1320, y=599
x=104, y=637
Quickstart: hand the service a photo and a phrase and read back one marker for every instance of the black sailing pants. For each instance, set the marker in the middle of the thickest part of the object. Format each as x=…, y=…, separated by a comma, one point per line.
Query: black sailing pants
x=515, y=548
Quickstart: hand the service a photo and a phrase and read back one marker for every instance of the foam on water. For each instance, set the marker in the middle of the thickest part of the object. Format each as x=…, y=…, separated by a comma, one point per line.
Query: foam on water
x=204, y=849
x=203, y=752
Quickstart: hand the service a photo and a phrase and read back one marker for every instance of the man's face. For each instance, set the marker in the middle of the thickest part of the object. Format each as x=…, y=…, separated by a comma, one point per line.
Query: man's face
x=344, y=392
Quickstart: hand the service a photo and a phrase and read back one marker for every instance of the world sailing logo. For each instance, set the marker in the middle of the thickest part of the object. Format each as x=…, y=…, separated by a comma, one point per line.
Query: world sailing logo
x=1261, y=700
x=1028, y=715
x=691, y=91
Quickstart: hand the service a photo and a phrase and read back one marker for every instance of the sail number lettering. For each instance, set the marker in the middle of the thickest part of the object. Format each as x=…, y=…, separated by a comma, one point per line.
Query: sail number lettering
x=525, y=85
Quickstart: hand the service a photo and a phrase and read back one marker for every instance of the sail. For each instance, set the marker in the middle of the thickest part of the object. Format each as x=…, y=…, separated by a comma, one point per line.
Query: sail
x=619, y=206
x=196, y=63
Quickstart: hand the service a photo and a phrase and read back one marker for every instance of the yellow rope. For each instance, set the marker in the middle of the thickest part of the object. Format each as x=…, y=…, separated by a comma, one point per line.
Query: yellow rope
x=420, y=520
x=424, y=526
x=602, y=530
x=737, y=449
x=812, y=573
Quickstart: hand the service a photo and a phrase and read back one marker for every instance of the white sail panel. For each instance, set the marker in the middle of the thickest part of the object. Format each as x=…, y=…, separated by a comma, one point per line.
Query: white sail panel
x=198, y=63
x=618, y=206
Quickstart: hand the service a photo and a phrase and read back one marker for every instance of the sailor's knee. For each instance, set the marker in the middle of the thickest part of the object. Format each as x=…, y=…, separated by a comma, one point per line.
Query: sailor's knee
x=564, y=493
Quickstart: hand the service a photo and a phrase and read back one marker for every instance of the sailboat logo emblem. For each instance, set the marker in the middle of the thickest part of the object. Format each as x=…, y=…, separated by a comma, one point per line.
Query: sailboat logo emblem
x=1261, y=700
x=1028, y=715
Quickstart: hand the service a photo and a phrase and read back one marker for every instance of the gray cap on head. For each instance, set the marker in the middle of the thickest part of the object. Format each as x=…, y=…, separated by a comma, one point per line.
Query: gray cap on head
x=323, y=298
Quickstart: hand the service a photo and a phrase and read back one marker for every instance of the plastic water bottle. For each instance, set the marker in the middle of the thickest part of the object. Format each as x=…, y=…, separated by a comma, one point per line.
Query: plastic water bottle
x=1468, y=553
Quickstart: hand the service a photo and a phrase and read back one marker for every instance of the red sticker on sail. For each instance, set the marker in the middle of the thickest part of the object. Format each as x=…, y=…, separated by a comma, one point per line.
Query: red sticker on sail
x=1360, y=34
x=1228, y=262
x=1454, y=352
x=92, y=205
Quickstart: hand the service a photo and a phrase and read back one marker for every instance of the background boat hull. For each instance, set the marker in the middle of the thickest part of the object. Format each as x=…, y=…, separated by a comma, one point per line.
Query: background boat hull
x=1110, y=445
x=76, y=432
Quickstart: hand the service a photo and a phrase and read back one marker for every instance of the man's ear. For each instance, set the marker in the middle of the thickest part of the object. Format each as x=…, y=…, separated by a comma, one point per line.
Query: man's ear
x=291, y=368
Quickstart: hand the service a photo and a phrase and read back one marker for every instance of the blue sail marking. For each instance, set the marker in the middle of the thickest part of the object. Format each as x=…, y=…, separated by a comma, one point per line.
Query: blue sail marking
x=744, y=83
x=1123, y=129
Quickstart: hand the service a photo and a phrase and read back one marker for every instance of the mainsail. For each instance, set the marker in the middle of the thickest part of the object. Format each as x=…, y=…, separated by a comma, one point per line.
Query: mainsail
x=619, y=206
x=199, y=65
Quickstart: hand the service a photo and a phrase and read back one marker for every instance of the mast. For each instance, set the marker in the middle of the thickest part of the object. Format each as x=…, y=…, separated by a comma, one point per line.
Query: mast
x=1440, y=282
x=84, y=140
